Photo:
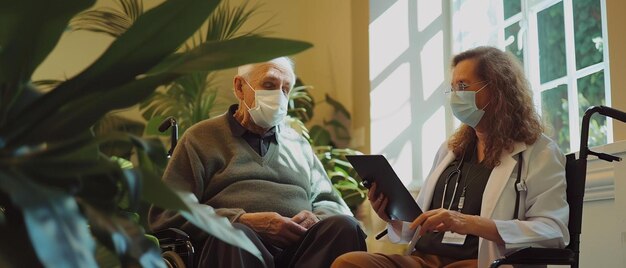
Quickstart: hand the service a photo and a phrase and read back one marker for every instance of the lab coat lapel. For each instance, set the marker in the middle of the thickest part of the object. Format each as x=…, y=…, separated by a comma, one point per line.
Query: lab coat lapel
x=498, y=180
x=429, y=188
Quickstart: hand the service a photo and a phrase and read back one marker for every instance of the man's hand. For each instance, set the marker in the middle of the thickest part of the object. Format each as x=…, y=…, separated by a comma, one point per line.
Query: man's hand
x=280, y=231
x=305, y=219
x=379, y=202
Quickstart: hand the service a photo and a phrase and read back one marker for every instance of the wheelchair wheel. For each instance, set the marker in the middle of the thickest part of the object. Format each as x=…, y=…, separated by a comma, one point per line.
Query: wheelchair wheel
x=173, y=260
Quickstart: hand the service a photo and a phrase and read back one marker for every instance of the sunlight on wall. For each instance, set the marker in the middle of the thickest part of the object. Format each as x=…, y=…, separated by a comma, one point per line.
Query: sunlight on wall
x=432, y=137
x=432, y=65
x=391, y=37
x=390, y=109
x=427, y=12
x=408, y=70
x=403, y=163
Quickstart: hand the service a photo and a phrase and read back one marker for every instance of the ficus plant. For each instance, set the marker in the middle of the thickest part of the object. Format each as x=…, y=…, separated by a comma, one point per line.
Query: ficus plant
x=59, y=193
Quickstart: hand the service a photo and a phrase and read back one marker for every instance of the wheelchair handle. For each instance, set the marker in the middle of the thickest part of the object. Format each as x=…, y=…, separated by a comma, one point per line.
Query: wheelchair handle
x=584, y=133
x=164, y=126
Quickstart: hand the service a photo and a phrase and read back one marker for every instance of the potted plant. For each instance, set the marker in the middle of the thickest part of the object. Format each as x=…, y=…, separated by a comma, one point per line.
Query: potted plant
x=57, y=190
x=343, y=176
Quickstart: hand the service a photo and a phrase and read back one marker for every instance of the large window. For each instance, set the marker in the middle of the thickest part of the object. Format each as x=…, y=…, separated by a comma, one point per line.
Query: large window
x=562, y=44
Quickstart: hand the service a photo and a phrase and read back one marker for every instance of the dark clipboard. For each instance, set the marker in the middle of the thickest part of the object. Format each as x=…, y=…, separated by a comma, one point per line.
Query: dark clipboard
x=376, y=168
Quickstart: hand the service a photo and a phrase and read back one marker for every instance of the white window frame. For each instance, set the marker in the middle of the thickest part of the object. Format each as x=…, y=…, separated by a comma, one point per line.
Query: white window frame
x=528, y=19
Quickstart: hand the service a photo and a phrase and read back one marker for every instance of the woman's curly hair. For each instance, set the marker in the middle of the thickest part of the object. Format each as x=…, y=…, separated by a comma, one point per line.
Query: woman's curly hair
x=510, y=115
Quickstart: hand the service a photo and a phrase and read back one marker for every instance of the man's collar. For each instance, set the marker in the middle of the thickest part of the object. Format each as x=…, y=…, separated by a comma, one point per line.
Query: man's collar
x=237, y=129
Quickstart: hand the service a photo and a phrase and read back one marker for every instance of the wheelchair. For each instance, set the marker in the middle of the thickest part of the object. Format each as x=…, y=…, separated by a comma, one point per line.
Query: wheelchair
x=176, y=248
x=575, y=173
x=178, y=251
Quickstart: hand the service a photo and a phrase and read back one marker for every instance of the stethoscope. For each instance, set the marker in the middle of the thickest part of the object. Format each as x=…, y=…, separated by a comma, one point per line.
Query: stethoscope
x=457, y=172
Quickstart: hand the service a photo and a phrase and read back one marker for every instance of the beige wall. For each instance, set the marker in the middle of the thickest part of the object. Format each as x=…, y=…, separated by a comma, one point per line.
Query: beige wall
x=617, y=53
x=77, y=50
x=337, y=64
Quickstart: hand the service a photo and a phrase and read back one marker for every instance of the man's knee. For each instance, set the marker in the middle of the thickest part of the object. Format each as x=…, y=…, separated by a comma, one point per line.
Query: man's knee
x=218, y=253
x=342, y=222
x=343, y=228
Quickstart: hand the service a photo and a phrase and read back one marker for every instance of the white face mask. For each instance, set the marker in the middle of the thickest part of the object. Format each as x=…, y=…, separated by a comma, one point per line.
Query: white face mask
x=270, y=107
x=463, y=104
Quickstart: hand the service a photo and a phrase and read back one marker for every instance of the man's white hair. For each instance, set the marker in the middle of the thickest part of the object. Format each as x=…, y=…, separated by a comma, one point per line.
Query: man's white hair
x=284, y=62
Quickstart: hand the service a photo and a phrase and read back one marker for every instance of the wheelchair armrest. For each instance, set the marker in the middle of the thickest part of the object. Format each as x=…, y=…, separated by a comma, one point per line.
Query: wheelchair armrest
x=176, y=240
x=171, y=234
x=553, y=256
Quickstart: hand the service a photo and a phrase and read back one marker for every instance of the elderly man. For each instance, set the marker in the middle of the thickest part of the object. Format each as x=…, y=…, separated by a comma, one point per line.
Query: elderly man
x=262, y=176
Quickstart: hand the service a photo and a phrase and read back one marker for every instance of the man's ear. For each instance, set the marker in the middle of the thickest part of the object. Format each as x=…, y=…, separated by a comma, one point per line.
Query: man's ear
x=238, y=87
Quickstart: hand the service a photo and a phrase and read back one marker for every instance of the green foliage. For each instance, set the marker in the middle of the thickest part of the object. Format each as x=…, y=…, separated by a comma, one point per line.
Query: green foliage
x=339, y=170
x=555, y=109
x=591, y=93
x=587, y=32
x=588, y=48
x=511, y=7
x=195, y=97
x=58, y=191
x=551, y=38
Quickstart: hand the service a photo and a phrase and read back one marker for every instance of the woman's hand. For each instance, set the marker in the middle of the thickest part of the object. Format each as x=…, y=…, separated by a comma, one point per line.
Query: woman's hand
x=379, y=203
x=443, y=220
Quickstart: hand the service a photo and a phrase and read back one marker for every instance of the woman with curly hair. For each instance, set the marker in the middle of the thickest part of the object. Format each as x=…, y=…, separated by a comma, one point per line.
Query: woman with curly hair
x=498, y=184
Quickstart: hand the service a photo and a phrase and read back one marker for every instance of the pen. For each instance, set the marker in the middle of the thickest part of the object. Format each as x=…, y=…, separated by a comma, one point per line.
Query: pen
x=381, y=234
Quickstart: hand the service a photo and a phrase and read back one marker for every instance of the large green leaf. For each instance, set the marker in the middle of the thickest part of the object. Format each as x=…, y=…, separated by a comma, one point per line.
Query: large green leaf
x=152, y=127
x=116, y=123
x=123, y=236
x=29, y=31
x=155, y=35
x=79, y=114
x=52, y=218
x=204, y=217
x=154, y=191
x=152, y=37
x=218, y=55
x=320, y=136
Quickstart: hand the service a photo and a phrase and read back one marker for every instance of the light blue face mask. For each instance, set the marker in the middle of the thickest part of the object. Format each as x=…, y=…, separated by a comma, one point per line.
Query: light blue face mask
x=463, y=104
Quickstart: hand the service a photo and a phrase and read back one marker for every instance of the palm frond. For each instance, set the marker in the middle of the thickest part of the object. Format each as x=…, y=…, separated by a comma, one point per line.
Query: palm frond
x=191, y=99
x=111, y=21
x=132, y=8
x=225, y=22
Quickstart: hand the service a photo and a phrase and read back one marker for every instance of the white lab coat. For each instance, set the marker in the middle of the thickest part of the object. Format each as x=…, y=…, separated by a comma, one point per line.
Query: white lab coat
x=544, y=212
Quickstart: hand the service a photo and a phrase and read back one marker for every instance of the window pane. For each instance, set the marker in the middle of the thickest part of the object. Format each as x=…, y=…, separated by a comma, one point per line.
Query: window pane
x=587, y=32
x=511, y=7
x=551, y=34
x=554, y=107
x=512, y=40
x=591, y=93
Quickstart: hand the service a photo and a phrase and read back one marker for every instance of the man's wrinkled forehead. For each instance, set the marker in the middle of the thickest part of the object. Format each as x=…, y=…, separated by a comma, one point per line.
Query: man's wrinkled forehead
x=272, y=68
